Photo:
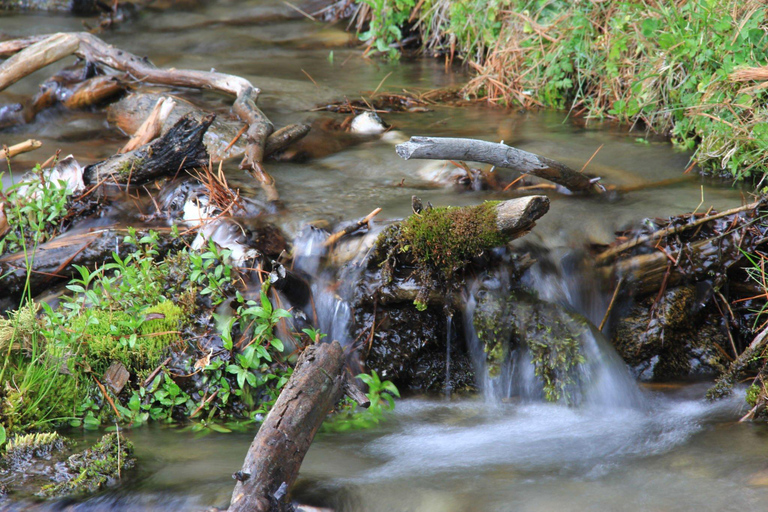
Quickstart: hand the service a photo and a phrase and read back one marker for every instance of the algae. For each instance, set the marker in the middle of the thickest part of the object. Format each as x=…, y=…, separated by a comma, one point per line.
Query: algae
x=94, y=468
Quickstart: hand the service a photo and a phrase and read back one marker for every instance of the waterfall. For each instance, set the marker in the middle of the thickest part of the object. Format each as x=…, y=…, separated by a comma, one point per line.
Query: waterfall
x=448, y=387
x=559, y=306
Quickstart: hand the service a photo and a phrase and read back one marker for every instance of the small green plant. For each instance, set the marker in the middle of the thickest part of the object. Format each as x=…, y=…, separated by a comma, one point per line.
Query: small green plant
x=351, y=417
x=34, y=209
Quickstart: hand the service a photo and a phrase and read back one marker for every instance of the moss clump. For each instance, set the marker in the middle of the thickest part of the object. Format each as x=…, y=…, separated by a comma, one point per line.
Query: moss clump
x=448, y=238
x=553, y=338
x=20, y=328
x=161, y=325
x=117, y=336
x=438, y=242
x=494, y=329
x=95, y=468
x=22, y=450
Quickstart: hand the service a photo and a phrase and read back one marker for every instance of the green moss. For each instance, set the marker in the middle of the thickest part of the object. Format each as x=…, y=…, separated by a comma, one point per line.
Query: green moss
x=553, y=338
x=94, y=468
x=161, y=324
x=493, y=325
x=117, y=336
x=448, y=238
x=753, y=392
x=20, y=328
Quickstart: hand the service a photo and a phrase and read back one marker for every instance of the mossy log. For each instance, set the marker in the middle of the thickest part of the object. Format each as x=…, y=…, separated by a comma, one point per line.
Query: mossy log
x=55, y=260
x=449, y=238
x=181, y=148
x=275, y=456
x=500, y=155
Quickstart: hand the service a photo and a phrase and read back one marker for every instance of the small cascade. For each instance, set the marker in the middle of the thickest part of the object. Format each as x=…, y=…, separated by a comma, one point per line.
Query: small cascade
x=542, y=344
x=332, y=311
x=448, y=324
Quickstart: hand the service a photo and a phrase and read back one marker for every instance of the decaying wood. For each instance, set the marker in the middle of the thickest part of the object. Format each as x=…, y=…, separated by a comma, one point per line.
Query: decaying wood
x=499, y=155
x=93, y=49
x=21, y=147
x=181, y=148
x=275, y=456
x=94, y=91
x=662, y=233
x=152, y=125
x=55, y=260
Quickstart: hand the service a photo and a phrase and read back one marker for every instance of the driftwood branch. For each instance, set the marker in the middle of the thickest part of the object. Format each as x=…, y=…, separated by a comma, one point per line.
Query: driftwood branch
x=500, y=155
x=181, y=148
x=275, y=456
x=335, y=237
x=57, y=46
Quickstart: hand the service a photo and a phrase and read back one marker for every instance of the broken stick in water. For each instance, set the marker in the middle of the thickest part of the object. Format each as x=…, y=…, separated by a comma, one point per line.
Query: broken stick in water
x=499, y=155
x=21, y=147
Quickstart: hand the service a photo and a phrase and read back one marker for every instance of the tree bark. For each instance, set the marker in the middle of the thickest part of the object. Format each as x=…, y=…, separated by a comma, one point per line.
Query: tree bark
x=500, y=155
x=277, y=451
x=179, y=149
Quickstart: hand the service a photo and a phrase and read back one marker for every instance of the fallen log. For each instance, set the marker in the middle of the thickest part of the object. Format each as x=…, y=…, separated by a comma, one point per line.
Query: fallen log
x=662, y=233
x=181, y=148
x=688, y=249
x=55, y=260
x=277, y=451
x=499, y=155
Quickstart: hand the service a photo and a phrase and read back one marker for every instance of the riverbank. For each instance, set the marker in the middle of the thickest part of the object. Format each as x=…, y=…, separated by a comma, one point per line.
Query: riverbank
x=680, y=70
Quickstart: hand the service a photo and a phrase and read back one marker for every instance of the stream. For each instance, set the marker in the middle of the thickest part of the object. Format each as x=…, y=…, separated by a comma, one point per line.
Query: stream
x=626, y=447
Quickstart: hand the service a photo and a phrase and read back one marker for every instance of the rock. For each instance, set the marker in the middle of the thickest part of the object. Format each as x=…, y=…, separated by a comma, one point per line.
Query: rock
x=676, y=340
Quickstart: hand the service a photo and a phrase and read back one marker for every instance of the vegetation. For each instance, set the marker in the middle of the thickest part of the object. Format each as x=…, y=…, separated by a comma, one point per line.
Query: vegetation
x=37, y=206
x=668, y=67
x=350, y=416
x=439, y=242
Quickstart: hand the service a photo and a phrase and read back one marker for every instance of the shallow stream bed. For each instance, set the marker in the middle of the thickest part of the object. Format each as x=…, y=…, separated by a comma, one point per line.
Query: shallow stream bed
x=674, y=453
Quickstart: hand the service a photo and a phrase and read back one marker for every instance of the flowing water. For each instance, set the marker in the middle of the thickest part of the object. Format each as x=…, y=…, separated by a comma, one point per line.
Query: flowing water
x=623, y=448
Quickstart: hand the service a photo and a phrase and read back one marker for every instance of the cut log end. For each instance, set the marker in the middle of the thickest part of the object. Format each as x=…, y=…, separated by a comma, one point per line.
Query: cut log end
x=516, y=215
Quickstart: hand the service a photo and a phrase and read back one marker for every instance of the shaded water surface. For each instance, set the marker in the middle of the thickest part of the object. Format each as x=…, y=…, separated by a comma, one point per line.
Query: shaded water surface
x=668, y=451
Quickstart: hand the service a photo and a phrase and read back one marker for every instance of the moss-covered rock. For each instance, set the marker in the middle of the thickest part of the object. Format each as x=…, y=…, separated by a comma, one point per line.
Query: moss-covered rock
x=95, y=468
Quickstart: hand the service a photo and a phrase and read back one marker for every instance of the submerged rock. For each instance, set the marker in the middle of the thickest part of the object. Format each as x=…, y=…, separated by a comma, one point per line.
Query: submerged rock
x=41, y=464
x=95, y=468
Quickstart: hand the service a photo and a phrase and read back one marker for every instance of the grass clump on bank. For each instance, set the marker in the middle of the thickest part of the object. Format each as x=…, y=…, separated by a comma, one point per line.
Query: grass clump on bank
x=673, y=68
